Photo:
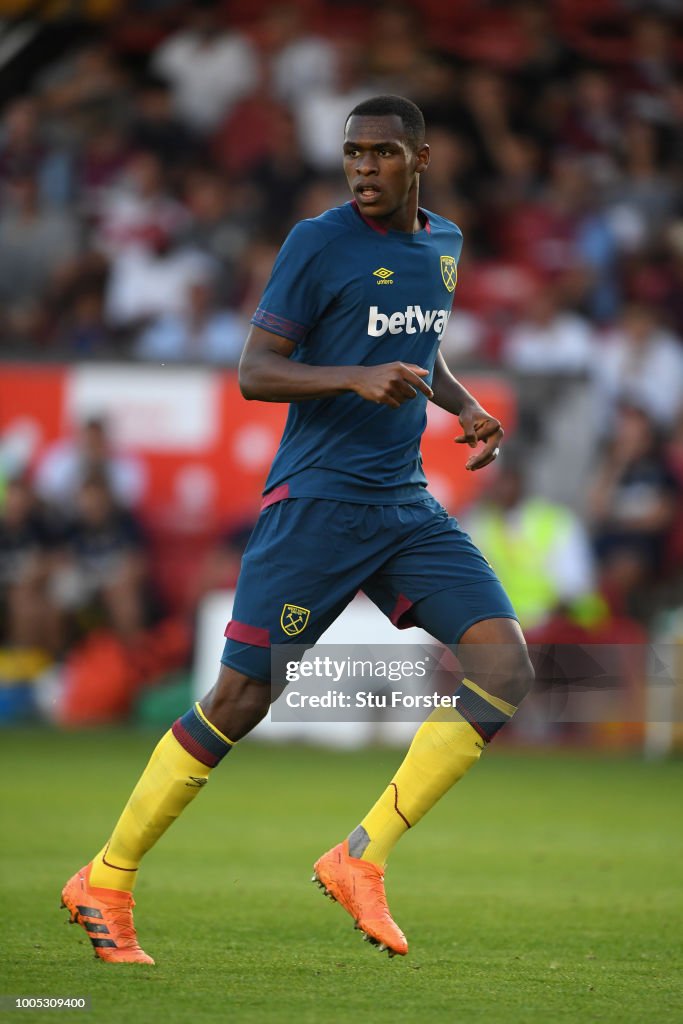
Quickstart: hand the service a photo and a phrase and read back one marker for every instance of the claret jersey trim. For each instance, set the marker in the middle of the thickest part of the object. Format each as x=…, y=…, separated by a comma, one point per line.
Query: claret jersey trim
x=279, y=325
x=370, y=221
x=381, y=229
x=280, y=493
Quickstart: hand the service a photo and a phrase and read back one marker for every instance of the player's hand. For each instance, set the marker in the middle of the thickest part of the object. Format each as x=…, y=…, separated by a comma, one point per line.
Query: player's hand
x=391, y=384
x=479, y=426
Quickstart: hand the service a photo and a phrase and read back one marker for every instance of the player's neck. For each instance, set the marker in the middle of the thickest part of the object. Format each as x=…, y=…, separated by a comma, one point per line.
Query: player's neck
x=406, y=218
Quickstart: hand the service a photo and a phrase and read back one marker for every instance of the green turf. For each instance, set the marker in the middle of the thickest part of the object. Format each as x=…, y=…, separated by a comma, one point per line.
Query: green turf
x=544, y=889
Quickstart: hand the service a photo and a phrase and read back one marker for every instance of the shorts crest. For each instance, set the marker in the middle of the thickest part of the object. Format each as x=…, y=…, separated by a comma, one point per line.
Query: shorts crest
x=294, y=619
x=449, y=272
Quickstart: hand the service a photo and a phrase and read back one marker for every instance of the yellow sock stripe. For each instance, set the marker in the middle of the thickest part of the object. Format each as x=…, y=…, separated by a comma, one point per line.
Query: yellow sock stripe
x=213, y=728
x=496, y=702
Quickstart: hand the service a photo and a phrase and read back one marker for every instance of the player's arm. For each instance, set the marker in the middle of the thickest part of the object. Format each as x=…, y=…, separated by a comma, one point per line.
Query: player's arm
x=268, y=374
x=477, y=424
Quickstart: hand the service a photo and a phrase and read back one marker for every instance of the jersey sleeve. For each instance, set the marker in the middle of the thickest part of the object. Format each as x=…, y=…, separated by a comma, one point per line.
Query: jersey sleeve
x=297, y=294
x=457, y=244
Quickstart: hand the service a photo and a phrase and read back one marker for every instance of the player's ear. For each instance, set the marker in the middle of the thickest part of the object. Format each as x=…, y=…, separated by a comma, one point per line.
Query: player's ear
x=422, y=158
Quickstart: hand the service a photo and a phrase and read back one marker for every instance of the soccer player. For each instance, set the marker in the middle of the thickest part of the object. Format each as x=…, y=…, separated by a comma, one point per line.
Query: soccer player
x=348, y=332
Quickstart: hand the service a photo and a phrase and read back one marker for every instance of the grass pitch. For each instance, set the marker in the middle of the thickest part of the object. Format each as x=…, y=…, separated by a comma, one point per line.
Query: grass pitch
x=543, y=889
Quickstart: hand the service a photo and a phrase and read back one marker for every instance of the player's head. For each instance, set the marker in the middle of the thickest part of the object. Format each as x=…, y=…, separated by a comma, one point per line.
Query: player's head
x=405, y=110
x=384, y=152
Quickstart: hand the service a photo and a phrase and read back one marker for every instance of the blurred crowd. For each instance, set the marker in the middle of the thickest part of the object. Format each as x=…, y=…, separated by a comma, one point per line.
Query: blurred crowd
x=147, y=179
x=151, y=166
x=72, y=552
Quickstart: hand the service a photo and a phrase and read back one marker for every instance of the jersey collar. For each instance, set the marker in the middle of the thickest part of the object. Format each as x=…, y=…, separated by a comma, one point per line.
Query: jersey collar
x=381, y=230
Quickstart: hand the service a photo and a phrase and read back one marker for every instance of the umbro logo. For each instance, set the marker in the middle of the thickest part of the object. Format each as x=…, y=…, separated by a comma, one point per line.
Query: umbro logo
x=383, y=275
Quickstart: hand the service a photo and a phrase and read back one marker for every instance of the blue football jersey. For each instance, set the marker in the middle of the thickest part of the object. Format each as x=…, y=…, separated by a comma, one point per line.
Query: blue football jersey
x=350, y=292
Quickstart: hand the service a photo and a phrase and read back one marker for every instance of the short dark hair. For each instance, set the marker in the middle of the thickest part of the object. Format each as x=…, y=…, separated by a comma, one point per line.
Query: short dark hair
x=384, y=106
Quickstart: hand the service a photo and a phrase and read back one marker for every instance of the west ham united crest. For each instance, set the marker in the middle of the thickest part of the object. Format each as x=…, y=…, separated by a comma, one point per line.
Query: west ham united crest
x=294, y=619
x=449, y=272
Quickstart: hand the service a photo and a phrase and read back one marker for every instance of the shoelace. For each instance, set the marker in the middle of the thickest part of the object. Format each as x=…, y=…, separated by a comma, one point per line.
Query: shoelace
x=374, y=879
x=122, y=919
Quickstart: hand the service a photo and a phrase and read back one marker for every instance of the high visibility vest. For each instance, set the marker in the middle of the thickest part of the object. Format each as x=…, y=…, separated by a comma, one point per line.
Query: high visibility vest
x=519, y=549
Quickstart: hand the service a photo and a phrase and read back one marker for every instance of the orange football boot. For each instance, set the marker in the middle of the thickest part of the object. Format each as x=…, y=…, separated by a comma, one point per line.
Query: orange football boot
x=107, y=917
x=359, y=886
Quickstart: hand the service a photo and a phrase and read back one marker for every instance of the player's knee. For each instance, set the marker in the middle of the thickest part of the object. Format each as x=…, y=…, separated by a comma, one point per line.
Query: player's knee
x=237, y=703
x=504, y=671
x=519, y=676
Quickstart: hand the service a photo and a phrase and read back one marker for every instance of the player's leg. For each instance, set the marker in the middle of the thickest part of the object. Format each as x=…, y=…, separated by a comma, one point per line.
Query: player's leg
x=273, y=574
x=99, y=896
x=444, y=748
x=451, y=740
x=468, y=608
x=177, y=770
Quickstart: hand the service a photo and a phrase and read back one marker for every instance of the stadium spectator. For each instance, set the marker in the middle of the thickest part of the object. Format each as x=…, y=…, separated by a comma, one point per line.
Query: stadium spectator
x=544, y=54
x=319, y=196
x=208, y=67
x=634, y=500
x=243, y=138
x=220, y=567
x=81, y=331
x=156, y=128
x=27, y=549
x=672, y=135
x=257, y=264
x=644, y=198
x=566, y=233
x=67, y=463
x=219, y=225
x=651, y=68
x=549, y=339
x=540, y=550
x=279, y=179
x=139, y=209
x=36, y=241
x=485, y=113
x=519, y=180
x=23, y=144
x=104, y=155
x=103, y=577
x=454, y=182
x=20, y=143
x=151, y=281
x=394, y=46
x=299, y=62
x=320, y=115
x=593, y=122
x=86, y=275
x=670, y=272
x=464, y=339
x=203, y=333
x=643, y=361
x=84, y=89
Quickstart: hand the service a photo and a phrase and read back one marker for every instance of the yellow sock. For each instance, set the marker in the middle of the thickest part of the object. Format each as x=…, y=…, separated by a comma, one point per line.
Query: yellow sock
x=177, y=770
x=443, y=749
